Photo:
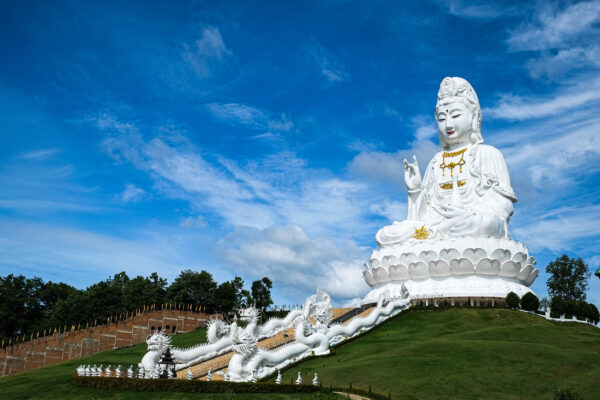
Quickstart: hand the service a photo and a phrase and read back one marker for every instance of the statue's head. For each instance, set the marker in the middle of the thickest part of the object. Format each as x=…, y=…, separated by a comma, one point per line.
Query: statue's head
x=158, y=341
x=458, y=113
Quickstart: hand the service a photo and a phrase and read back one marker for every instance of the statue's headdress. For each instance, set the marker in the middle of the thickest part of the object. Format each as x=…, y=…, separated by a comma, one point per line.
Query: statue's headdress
x=459, y=87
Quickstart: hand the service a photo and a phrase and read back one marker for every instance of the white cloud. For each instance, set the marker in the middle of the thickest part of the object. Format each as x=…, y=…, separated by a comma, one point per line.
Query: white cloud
x=239, y=114
x=556, y=66
x=379, y=166
x=39, y=154
x=561, y=229
x=513, y=107
x=295, y=261
x=205, y=51
x=392, y=210
x=57, y=251
x=556, y=28
x=425, y=127
x=193, y=222
x=132, y=193
x=482, y=9
x=251, y=117
x=330, y=67
x=278, y=190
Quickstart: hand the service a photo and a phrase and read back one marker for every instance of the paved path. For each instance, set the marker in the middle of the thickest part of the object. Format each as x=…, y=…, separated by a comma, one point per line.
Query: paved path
x=353, y=396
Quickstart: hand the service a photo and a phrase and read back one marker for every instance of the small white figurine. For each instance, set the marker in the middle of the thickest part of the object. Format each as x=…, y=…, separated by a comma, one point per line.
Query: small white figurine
x=208, y=376
x=315, y=380
x=130, y=371
x=107, y=371
x=189, y=374
x=299, y=379
x=278, y=379
x=141, y=372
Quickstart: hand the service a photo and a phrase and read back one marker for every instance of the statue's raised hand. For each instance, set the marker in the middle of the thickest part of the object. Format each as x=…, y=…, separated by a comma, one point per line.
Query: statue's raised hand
x=412, y=175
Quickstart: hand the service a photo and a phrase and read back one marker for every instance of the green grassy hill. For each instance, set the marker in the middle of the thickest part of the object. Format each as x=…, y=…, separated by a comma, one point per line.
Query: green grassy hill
x=447, y=354
x=467, y=354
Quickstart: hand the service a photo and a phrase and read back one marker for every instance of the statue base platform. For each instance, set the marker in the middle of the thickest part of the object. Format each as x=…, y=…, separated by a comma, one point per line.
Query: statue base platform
x=450, y=287
x=450, y=268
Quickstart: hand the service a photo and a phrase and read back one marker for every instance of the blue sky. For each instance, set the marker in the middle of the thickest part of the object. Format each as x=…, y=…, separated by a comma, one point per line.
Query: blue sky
x=266, y=138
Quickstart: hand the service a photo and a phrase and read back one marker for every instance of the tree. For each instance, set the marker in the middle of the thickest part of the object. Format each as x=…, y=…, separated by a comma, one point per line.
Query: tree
x=530, y=302
x=261, y=293
x=196, y=288
x=225, y=297
x=512, y=300
x=568, y=278
x=141, y=291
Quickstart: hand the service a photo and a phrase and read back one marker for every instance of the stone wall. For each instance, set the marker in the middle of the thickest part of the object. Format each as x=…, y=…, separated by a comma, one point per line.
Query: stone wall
x=78, y=343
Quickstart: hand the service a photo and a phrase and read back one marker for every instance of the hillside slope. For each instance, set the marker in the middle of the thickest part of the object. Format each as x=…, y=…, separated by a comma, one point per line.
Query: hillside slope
x=447, y=354
x=466, y=354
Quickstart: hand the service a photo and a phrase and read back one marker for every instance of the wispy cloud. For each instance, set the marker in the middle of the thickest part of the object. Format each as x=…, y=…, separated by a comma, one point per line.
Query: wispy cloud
x=477, y=9
x=251, y=118
x=569, y=227
x=193, y=222
x=330, y=67
x=555, y=28
x=554, y=66
x=34, y=248
x=205, y=52
x=514, y=107
x=40, y=154
x=132, y=193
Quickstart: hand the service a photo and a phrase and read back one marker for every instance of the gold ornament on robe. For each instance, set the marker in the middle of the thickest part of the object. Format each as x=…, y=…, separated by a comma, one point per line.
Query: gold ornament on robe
x=421, y=233
x=453, y=164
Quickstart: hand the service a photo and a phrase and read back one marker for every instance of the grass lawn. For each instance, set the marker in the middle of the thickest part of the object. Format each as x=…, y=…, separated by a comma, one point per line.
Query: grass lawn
x=54, y=381
x=466, y=354
x=448, y=354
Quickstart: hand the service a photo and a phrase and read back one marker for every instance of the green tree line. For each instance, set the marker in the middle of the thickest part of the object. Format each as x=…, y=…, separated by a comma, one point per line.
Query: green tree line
x=30, y=305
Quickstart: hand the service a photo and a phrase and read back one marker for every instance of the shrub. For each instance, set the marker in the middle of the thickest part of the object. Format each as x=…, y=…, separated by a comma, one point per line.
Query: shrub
x=594, y=314
x=512, y=300
x=530, y=302
x=180, y=385
x=566, y=394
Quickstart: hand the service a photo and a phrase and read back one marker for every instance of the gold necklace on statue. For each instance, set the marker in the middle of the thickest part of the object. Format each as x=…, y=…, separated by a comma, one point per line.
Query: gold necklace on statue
x=453, y=164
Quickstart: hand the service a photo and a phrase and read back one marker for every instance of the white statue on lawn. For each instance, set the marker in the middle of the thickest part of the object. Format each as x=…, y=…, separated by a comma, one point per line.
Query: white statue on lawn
x=454, y=242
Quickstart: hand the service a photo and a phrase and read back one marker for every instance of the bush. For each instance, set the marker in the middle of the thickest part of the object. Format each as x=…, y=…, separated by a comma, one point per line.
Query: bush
x=180, y=385
x=594, y=314
x=530, y=302
x=566, y=394
x=512, y=300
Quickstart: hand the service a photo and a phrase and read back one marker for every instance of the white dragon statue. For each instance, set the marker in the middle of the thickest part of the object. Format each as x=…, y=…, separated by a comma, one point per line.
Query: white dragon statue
x=221, y=337
x=313, y=336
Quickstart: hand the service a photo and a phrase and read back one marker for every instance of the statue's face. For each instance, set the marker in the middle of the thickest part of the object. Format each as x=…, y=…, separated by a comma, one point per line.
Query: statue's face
x=455, y=122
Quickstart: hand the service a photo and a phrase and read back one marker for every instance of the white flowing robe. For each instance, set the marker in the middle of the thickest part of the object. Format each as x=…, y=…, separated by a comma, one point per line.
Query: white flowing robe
x=486, y=199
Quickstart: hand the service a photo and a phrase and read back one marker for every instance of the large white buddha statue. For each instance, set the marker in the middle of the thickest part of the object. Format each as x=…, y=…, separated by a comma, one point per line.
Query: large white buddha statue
x=458, y=213
x=466, y=189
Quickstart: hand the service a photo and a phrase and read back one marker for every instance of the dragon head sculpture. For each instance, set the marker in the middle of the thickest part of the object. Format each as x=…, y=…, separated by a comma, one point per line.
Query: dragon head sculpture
x=158, y=341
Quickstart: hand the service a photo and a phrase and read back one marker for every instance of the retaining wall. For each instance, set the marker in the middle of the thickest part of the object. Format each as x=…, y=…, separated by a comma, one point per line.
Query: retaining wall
x=78, y=343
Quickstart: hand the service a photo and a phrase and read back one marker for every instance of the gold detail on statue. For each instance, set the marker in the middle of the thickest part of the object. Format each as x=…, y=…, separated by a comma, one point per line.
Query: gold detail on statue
x=453, y=164
x=449, y=185
x=421, y=233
